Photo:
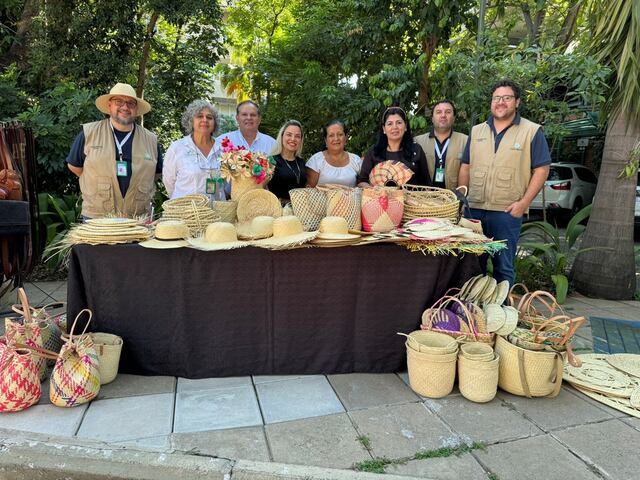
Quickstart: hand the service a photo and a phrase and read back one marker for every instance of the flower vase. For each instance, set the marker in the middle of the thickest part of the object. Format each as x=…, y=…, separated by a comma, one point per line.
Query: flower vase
x=241, y=184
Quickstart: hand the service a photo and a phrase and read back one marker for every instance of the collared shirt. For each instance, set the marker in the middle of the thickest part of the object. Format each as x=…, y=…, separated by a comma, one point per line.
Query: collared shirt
x=440, y=160
x=186, y=169
x=262, y=143
x=540, y=155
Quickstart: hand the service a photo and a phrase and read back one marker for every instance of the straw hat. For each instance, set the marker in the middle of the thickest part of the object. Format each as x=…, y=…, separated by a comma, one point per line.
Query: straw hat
x=259, y=227
x=218, y=236
x=287, y=232
x=168, y=234
x=511, y=321
x=122, y=90
x=335, y=228
x=258, y=202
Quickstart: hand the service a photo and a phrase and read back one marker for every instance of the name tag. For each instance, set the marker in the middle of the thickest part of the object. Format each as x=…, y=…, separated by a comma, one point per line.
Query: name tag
x=439, y=175
x=121, y=169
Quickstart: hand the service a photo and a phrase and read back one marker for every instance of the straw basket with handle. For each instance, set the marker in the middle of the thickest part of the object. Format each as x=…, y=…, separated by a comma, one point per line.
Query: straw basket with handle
x=19, y=377
x=344, y=202
x=381, y=209
x=108, y=348
x=464, y=328
x=433, y=202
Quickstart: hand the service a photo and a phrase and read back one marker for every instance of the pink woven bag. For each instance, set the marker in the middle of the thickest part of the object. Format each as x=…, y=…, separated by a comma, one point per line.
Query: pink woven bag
x=19, y=377
x=382, y=209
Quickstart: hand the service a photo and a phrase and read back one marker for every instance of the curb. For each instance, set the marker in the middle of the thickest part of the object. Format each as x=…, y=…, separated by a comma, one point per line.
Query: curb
x=42, y=457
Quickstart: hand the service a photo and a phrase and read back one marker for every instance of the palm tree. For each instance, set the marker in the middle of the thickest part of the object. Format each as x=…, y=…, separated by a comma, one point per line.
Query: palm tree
x=610, y=273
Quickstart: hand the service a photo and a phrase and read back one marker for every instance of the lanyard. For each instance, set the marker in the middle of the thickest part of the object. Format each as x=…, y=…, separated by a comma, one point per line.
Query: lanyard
x=119, y=144
x=441, y=153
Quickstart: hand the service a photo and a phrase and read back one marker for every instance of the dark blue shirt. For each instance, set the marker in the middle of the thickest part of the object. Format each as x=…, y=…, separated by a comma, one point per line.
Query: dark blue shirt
x=540, y=155
x=77, y=157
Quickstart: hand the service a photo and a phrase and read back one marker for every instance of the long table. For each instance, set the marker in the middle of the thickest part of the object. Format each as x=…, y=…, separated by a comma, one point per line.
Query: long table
x=197, y=314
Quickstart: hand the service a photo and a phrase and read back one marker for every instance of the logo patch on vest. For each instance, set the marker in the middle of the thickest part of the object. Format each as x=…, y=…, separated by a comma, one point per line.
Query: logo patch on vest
x=516, y=146
x=147, y=156
x=480, y=139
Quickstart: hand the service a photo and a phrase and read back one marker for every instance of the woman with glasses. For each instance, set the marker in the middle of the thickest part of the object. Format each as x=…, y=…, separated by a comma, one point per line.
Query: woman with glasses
x=191, y=164
x=334, y=165
x=395, y=142
x=290, y=170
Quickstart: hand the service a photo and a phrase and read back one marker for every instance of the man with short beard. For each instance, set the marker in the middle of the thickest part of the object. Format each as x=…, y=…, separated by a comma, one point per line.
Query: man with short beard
x=116, y=160
x=505, y=164
x=442, y=146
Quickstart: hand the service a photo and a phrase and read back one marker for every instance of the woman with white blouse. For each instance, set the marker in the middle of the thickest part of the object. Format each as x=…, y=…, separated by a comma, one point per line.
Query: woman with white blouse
x=334, y=165
x=193, y=159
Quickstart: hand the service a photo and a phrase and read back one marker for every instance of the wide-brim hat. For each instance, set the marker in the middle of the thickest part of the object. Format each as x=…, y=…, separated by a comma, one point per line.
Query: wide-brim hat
x=168, y=234
x=258, y=203
x=287, y=232
x=218, y=236
x=123, y=90
x=256, y=229
x=335, y=228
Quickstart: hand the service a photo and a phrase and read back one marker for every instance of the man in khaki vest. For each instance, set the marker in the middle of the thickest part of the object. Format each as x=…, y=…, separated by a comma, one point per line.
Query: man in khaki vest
x=116, y=160
x=505, y=164
x=442, y=146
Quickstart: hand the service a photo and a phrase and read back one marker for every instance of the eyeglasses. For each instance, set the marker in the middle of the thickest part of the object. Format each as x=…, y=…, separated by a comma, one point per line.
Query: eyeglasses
x=129, y=103
x=500, y=98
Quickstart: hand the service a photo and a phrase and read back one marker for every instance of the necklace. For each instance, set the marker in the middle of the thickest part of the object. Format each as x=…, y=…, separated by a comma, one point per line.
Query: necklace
x=297, y=175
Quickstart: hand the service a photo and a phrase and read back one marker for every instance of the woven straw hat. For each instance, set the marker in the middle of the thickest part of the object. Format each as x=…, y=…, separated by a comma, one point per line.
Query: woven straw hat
x=287, y=232
x=122, y=90
x=495, y=316
x=335, y=228
x=256, y=203
x=218, y=236
x=168, y=234
x=510, y=321
x=259, y=227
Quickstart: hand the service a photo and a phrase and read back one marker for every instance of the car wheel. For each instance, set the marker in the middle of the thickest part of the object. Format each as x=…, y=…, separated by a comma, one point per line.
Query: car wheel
x=577, y=206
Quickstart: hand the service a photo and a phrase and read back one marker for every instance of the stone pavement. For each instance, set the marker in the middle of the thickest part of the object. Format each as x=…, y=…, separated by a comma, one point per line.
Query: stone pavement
x=321, y=426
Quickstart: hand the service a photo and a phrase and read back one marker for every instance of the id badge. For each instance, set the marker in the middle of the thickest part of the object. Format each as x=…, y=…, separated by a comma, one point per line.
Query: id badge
x=439, y=175
x=210, y=186
x=121, y=169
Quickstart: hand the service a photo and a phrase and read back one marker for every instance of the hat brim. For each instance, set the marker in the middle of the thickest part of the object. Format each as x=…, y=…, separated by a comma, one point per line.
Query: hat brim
x=164, y=244
x=337, y=236
x=286, y=241
x=201, y=244
x=244, y=232
x=102, y=103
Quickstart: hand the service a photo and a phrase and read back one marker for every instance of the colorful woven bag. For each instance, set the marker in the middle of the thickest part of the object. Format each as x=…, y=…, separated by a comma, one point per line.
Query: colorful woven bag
x=75, y=378
x=50, y=325
x=19, y=377
x=345, y=202
x=382, y=209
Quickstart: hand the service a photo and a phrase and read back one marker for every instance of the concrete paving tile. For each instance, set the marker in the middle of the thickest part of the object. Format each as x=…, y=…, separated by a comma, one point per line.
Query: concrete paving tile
x=277, y=378
x=160, y=443
x=402, y=430
x=188, y=385
x=50, y=287
x=47, y=419
x=450, y=468
x=44, y=398
x=364, y=390
x=533, y=458
x=305, y=442
x=632, y=422
x=202, y=410
x=489, y=422
x=601, y=406
x=297, y=398
x=130, y=418
x=599, y=303
x=553, y=413
x=126, y=385
x=236, y=443
x=35, y=295
x=612, y=446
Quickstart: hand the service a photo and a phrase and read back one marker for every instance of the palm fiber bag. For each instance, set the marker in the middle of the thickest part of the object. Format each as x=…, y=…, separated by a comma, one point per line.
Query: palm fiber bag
x=382, y=209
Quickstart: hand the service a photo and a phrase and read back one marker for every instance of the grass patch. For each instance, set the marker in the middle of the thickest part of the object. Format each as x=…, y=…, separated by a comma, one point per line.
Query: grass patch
x=365, y=441
x=377, y=465
x=493, y=476
x=449, y=451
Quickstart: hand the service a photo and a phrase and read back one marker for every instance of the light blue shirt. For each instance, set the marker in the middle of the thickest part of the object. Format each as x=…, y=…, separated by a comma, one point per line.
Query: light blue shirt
x=263, y=143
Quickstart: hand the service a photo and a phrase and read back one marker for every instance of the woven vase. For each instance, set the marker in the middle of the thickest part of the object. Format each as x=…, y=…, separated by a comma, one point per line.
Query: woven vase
x=241, y=184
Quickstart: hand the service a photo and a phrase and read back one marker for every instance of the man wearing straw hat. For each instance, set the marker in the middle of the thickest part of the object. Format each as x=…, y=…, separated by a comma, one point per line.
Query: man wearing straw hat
x=505, y=164
x=442, y=146
x=116, y=160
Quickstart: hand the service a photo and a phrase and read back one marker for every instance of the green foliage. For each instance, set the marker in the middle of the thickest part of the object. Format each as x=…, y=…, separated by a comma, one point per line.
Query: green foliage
x=544, y=255
x=377, y=465
x=449, y=451
x=13, y=99
x=57, y=216
x=365, y=441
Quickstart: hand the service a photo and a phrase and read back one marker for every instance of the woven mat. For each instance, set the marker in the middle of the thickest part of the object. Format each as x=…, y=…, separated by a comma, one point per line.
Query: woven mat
x=612, y=335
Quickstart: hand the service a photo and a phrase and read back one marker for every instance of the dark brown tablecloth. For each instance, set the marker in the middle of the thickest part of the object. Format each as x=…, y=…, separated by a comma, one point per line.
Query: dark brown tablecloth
x=249, y=311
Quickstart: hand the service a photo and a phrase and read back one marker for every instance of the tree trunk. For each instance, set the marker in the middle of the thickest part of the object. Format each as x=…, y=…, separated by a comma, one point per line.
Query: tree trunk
x=611, y=273
x=428, y=47
x=568, y=26
x=142, y=69
x=18, y=50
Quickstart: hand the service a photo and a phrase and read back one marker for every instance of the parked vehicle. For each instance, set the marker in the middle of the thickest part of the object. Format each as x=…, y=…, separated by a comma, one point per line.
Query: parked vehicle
x=570, y=187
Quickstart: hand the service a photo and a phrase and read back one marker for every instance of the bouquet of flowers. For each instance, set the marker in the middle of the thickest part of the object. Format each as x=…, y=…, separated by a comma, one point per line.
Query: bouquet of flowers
x=238, y=161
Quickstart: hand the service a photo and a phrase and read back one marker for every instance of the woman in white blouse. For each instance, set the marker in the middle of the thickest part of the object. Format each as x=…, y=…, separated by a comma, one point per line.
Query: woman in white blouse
x=193, y=159
x=335, y=164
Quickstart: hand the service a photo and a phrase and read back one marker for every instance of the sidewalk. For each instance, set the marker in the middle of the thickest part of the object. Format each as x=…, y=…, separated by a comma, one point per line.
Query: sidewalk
x=284, y=427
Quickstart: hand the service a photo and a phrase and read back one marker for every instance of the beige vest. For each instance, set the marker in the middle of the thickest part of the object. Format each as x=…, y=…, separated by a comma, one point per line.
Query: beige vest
x=497, y=179
x=452, y=157
x=99, y=184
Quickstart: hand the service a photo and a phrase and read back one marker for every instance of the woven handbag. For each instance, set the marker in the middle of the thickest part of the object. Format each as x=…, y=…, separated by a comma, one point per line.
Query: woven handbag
x=310, y=206
x=19, y=378
x=49, y=325
x=75, y=378
x=438, y=319
x=344, y=202
x=382, y=209
x=108, y=347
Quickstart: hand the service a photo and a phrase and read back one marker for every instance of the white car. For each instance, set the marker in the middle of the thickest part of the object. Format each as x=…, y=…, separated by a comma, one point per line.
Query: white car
x=570, y=187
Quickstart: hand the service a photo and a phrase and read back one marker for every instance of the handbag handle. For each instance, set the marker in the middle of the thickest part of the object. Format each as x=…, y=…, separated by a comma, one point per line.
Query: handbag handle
x=76, y=321
x=512, y=295
x=573, y=325
x=22, y=295
x=444, y=301
x=529, y=309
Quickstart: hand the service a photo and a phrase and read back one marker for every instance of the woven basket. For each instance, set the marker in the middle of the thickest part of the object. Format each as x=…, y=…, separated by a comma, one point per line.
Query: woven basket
x=431, y=375
x=226, y=210
x=108, y=347
x=431, y=315
x=346, y=203
x=478, y=380
x=241, y=184
x=420, y=202
x=431, y=342
x=527, y=373
x=477, y=351
x=310, y=206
